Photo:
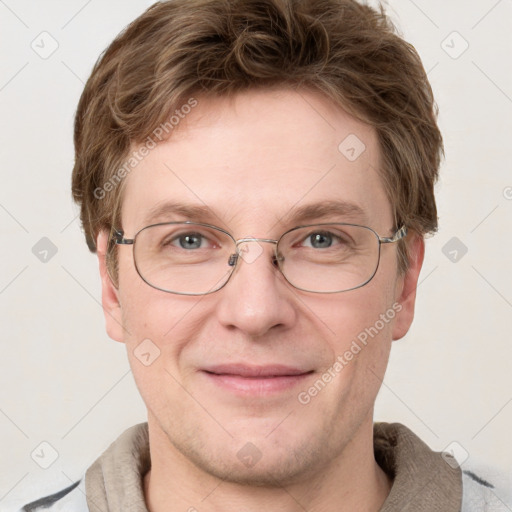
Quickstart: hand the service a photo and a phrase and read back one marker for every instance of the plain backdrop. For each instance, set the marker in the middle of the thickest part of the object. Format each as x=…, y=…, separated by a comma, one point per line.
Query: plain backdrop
x=65, y=384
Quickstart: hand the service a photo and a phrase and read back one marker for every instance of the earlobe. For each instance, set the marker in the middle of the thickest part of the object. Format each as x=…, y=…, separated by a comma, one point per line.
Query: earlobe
x=109, y=293
x=406, y=287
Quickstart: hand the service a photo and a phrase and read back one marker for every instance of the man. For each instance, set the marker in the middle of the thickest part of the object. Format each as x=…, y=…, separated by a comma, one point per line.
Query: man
x=257, y=179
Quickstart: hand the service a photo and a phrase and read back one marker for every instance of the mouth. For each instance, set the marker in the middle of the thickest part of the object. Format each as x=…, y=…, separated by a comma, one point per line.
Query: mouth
x=256, y=380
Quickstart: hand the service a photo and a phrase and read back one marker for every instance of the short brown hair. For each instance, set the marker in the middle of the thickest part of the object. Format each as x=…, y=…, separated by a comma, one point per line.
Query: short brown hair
x=344, y=50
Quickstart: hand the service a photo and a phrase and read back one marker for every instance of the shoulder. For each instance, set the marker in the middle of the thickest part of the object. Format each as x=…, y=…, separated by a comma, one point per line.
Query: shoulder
x=54, y=492
x=69, y=499
x=486, y=490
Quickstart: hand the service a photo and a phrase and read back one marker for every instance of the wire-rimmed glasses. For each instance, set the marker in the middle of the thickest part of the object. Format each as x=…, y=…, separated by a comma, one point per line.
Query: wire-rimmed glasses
x=191, y=258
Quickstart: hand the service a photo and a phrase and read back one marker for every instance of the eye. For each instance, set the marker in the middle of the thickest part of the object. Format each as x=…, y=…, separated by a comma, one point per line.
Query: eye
x=187, y=241
x=190, y=241
x=321, y=240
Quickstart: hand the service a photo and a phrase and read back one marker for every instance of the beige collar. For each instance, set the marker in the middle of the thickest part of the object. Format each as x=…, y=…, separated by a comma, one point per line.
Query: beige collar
x=422, y=479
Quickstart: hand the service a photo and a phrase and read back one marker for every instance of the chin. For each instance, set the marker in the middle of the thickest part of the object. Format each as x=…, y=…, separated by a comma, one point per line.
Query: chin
x=264, y=473
x=260, y=461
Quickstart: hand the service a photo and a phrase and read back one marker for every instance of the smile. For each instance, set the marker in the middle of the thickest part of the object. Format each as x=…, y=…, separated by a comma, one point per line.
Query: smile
x=256, y=380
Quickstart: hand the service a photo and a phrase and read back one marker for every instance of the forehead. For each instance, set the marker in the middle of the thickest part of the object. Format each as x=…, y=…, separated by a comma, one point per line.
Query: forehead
x=261, y=160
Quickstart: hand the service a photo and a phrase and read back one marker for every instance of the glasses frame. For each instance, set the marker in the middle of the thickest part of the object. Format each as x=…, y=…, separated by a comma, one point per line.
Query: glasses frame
x=118, y=238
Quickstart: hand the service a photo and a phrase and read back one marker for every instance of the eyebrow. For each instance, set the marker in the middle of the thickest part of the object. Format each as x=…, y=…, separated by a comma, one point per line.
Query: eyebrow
x=328, y=208
x=165, y=210
x=334, y=209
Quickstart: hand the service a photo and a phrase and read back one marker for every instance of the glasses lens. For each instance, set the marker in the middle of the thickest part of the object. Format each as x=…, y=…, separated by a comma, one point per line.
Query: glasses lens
x=329, y=257
x=183, y=258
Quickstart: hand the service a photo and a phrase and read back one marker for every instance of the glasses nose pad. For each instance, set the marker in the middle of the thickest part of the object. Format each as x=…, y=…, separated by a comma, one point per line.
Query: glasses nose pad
x=277, y=259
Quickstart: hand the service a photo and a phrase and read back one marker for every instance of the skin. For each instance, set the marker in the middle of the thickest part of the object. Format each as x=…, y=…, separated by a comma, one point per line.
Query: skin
x=252, y=160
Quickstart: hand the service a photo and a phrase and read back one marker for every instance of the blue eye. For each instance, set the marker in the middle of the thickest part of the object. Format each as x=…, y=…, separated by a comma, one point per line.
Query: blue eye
x=321, y=240
x=187, y=241
x=190, y=241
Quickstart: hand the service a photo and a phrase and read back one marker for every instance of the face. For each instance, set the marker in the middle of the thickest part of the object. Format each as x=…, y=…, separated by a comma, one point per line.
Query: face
x=260, y=381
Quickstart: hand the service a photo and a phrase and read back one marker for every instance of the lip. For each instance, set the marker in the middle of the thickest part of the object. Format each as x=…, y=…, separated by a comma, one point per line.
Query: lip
x=256, y=380
x=254, y=371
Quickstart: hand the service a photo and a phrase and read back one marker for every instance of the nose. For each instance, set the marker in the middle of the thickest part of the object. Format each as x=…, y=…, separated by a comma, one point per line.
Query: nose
x=257, y=298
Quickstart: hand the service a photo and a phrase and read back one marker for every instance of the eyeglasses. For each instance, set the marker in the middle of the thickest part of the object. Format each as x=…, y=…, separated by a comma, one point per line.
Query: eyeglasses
x=191, y=258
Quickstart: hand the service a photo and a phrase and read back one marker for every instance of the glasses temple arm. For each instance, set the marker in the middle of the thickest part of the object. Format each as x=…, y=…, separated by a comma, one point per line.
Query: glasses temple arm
x=401, y=233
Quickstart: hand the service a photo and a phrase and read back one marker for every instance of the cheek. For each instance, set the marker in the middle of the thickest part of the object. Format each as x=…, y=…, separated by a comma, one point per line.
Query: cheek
x=157, y=327
x=146, y=311
x=360, y=314
x=160, y=328
x=358, y=327
x=169, y=321
x=360, y=352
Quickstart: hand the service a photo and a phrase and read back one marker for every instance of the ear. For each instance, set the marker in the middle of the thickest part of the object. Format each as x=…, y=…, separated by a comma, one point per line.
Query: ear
x=109, y=293
x=406, y=287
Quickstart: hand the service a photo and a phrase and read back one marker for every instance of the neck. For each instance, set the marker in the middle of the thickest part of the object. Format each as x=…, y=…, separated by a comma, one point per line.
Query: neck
x=351, y=481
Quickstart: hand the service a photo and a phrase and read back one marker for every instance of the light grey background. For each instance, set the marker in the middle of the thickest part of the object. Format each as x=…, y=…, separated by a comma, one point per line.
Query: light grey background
x=64, y=382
